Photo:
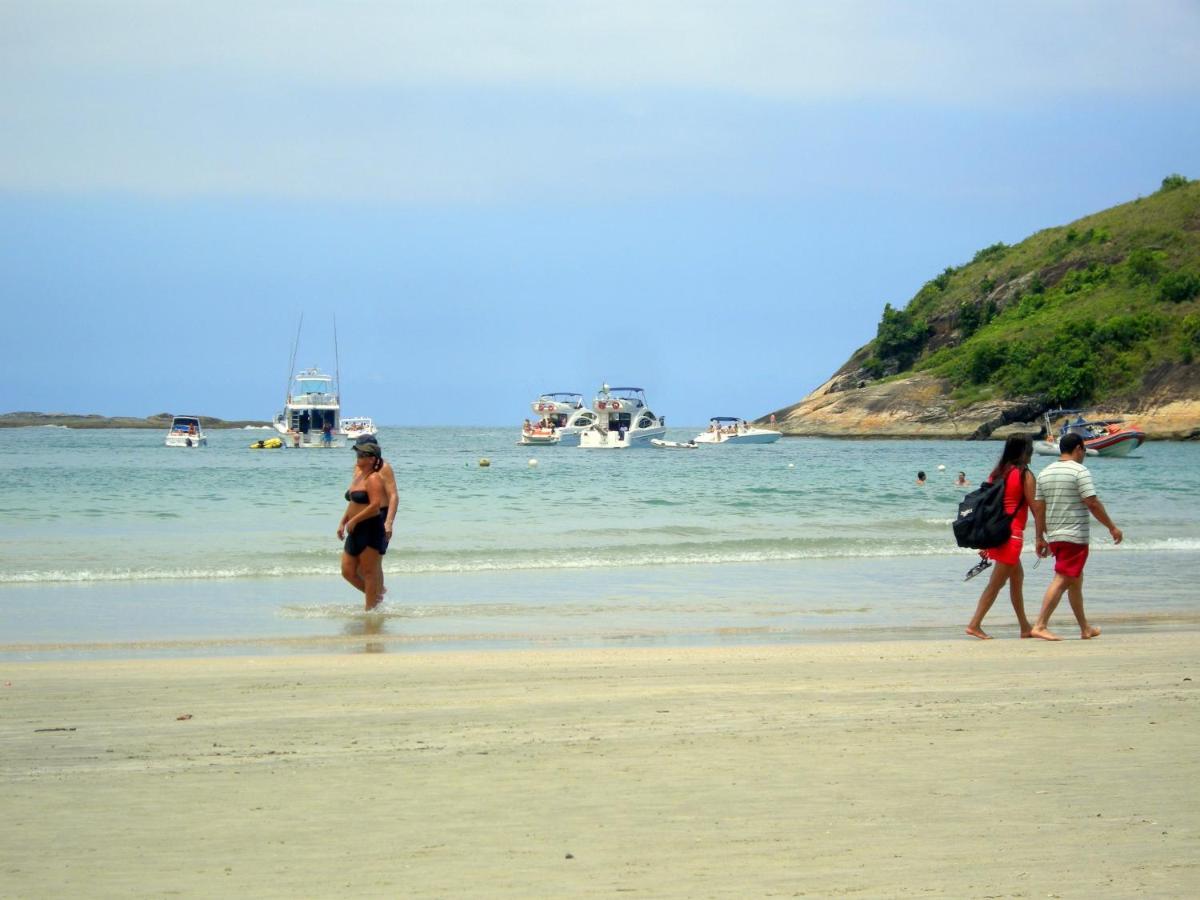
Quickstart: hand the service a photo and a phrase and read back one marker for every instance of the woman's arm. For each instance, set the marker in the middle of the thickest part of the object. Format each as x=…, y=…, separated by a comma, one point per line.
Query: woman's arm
x=1041, y=548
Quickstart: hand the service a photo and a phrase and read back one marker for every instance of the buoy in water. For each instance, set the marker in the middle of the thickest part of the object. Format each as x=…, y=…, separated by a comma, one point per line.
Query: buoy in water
x=941, y=468
x=532, y=463
x=791, y=465
x=484, y=463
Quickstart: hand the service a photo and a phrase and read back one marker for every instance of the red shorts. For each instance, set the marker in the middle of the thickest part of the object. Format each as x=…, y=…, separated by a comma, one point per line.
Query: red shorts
x=1069, y=559
x=1008, y=553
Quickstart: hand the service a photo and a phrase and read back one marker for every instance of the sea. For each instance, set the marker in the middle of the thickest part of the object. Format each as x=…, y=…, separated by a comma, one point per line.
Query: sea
x=114, y=546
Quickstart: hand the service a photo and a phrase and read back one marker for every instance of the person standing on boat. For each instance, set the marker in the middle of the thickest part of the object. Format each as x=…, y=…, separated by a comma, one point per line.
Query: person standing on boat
x=392, y=502
x=1019, y=488
x=361, y=526
x=327, y=434
x=1067, y=497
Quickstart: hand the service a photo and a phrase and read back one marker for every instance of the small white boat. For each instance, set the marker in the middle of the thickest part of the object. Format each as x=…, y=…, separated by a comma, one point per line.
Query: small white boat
x=732, y=430
x=674, y=445
x=561, y=417
x=186, y=431
x=623, y=420
x=311, y=412
x=355, y=427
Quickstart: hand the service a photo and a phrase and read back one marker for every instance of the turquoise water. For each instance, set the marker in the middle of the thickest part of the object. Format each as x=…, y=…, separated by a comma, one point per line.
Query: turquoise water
x=111, y=544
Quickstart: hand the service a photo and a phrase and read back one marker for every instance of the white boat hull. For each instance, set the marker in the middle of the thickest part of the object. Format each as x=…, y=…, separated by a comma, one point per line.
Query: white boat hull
x=562, y=437
x=186, y=440
x=312, y=439
x=758, y=436
x=1050, y=448
x=595, y=439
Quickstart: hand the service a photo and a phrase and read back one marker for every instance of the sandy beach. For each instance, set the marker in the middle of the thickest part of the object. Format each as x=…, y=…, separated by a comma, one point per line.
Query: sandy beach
x=945, y=768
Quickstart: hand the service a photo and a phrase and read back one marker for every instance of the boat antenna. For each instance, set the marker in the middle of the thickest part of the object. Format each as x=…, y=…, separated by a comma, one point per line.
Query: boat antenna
x=287, y=387
x=337, y=364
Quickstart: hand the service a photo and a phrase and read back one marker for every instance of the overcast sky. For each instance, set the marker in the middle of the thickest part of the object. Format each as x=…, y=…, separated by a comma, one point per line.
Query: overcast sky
x=710, y=200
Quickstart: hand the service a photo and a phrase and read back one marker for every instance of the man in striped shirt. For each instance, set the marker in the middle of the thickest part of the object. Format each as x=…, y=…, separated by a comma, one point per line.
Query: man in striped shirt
x=1065, y=498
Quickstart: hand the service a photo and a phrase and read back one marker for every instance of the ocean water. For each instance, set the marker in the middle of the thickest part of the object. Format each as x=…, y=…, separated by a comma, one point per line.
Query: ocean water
x=113, y=545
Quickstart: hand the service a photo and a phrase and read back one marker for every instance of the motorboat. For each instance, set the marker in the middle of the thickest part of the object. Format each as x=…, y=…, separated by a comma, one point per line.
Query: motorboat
x=674, y=445
x=186, y=431
x=623, y=420
x=311, y=412
x=732, y=430
x=354, y=427
x=561, y=417
x=1101, y=437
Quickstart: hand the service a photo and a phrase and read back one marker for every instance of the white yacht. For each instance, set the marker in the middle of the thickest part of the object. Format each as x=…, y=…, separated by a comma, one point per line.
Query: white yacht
x=311, y=413
x=732, y=430
x=186, y=431
x=623, y=420
x=561, y=417
x=354, y=427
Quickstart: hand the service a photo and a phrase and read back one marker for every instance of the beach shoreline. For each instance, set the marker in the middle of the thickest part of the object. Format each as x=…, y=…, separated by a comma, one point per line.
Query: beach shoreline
x=956, y=768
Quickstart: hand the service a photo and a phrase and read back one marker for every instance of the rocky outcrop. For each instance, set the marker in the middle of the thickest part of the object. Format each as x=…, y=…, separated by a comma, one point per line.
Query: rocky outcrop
x=920, y=406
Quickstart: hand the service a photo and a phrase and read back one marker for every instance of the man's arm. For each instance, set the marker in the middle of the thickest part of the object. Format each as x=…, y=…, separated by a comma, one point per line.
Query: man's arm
x=393, y=498
x=1041, y=548
x=1096, y=508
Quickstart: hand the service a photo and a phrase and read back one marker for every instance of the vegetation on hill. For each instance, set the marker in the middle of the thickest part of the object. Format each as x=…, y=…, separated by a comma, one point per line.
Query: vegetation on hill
x=1071, y=315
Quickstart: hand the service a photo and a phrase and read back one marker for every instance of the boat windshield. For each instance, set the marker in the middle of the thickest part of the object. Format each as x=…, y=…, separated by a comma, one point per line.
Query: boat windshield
x=312, y=385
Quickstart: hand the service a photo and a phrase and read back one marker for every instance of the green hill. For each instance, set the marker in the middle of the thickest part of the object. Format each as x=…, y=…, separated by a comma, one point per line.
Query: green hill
x=1080, y=314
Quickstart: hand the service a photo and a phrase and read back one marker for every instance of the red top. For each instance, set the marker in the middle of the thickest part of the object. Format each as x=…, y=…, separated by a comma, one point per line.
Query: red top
x=1014, y=497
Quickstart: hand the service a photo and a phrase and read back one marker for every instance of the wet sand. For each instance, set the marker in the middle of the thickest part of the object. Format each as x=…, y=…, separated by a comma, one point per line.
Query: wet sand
x=946, y=768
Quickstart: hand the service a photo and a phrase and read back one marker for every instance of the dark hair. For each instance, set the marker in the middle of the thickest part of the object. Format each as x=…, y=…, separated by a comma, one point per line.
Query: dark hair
x=920, y=474
x=1070, y=442
x=1017, y=450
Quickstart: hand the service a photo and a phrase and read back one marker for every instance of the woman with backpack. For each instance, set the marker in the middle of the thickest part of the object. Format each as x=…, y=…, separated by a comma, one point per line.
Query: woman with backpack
x=1019, y=487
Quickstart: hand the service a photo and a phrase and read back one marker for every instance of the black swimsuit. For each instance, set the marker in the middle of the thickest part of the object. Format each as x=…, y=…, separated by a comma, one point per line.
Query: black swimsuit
x=367, y=533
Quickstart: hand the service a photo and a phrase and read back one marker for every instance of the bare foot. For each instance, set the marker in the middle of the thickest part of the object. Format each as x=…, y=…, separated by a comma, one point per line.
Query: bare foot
x=1092, y=631
x=978, y=633
x=1044, y=633
x=1027, y=632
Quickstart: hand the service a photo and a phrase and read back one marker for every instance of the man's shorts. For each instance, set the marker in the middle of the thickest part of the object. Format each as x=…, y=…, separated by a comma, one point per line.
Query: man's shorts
x=1069, y=559
x=1008, y=553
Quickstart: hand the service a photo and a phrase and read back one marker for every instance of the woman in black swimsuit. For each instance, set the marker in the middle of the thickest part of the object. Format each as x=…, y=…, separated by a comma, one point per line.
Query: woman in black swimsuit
x=362, y=526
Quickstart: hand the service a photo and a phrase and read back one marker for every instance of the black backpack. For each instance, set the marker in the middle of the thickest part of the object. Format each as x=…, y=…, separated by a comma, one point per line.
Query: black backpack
x=982, y=522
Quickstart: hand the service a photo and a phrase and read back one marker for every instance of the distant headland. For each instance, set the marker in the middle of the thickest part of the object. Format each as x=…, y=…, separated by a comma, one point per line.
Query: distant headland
x=1101, y=314
x=91, y=420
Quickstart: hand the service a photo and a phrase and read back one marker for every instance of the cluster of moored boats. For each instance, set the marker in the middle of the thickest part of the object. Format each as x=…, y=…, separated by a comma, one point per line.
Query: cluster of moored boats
x=311, y=417
x=620, y=418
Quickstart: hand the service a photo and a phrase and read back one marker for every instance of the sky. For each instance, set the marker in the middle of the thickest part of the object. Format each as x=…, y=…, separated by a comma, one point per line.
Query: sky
x=712, y=201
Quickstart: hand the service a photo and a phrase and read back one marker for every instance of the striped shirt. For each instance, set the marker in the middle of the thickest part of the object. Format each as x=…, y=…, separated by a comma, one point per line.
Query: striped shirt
x=1064, y=485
